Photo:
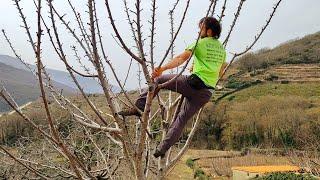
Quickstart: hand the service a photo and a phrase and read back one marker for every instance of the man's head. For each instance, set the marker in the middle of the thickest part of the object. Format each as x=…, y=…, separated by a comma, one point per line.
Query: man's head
x=210, y=27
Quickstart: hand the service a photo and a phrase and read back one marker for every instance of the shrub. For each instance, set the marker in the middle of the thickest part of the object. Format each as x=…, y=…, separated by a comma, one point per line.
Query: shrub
x=286, y=176
x=190, y=163
x=230, y=98
x=271, y=77
x=199, y=173
x=235, y=84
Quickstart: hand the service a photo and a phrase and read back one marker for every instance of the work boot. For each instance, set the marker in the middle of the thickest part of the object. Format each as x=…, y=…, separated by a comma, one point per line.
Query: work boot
x=157, y=153
x=129, y=112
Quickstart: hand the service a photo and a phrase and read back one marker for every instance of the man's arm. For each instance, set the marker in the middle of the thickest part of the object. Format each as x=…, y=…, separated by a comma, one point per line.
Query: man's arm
x=175, y=62
x=223, y=67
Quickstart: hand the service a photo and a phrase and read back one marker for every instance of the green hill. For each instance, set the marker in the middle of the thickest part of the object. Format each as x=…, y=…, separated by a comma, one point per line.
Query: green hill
x=301, y=51
x=22, y=85
x=294, y=61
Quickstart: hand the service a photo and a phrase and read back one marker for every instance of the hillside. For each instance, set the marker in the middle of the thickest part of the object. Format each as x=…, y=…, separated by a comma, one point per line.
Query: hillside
x=305, y=50
x=293, y=61
x=89, y=85
x=22, y=85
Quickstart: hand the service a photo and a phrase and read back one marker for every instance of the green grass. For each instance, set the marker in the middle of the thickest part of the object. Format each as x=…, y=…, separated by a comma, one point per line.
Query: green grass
x=306, y=90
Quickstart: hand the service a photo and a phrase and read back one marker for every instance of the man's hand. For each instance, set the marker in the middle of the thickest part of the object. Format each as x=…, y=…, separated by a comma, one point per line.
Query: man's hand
x=157, y=72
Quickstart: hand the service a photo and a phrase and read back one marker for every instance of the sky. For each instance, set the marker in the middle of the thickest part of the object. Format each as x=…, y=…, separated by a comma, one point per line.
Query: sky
x=294, y=19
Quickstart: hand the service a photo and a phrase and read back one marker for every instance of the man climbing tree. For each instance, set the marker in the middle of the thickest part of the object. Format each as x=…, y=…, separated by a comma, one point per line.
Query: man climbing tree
x=209, y=61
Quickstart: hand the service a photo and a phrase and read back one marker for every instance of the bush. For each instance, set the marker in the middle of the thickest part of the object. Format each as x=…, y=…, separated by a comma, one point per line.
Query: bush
x=235, y=84
x=271, y=77
x=286, y=176
x=269, y=121
x=199, y=173
x=190, y=163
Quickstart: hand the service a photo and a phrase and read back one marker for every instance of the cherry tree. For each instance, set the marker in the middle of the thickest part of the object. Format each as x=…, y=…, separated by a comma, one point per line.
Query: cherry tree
x=102, y=144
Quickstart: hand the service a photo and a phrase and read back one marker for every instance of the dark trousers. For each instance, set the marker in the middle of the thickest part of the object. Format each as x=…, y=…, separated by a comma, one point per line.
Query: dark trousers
x=193, y=101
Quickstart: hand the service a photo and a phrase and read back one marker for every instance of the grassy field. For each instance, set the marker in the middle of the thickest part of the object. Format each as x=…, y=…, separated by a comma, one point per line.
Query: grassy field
x=306, y=90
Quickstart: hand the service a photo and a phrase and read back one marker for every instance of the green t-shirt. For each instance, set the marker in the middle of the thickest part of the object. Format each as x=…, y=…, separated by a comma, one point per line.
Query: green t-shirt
x=208, y=57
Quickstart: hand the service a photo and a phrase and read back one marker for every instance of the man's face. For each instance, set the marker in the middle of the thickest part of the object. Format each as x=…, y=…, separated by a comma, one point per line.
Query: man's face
x=203, y=31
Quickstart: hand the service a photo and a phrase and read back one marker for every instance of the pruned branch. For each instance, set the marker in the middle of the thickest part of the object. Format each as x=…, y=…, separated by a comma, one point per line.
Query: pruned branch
x=177, y=32
x=236, y=16
x=257, y=37
x=124, y=46
x=152, y=32
x=214, y=7
x=222, y=11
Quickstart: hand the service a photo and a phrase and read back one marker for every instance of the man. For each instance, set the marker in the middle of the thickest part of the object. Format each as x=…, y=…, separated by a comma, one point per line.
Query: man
x=209, y=61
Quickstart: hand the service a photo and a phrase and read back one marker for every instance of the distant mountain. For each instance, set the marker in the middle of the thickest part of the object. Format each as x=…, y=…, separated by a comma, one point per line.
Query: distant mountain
x=23, y=85
x=90, y=85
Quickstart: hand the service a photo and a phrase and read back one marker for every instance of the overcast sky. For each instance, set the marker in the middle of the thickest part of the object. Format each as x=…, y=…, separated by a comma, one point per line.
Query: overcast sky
x=294, y=19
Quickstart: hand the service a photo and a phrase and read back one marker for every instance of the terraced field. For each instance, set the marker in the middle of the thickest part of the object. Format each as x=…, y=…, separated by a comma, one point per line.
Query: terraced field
x=218, y=164
x=286, y=73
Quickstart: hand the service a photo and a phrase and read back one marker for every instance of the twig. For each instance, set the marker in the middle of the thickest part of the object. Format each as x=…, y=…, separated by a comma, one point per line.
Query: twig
x=222, y=11
x=124, y=46
x=257, y=37
x=176, y=34
x=214, y=7
x=236, y=16
x=152, y=32
x=36, y=172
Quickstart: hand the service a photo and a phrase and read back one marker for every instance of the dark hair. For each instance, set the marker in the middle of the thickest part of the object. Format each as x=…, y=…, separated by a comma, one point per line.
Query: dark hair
x=213, y=24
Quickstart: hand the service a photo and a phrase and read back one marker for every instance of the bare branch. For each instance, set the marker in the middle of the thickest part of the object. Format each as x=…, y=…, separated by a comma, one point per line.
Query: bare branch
x=222, y=11
x=36, y=172
x=214, y=6
x=236, y=16
x=118, y=35
x=257, y=37
x=177, y=32
x=139, y=31
x=64, y=60
x=84, y=33
x=152, y=32
x=110, y=65
x=9, y=102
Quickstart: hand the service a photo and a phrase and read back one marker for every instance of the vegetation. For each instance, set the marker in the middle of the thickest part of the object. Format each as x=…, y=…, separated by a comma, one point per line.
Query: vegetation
x=304, y=50
x=190, y=163
x=265, y=116
x=285, y=176
x=198, y=173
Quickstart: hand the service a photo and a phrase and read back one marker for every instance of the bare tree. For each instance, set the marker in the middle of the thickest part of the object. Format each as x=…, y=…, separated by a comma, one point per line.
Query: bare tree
x=102, y=145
